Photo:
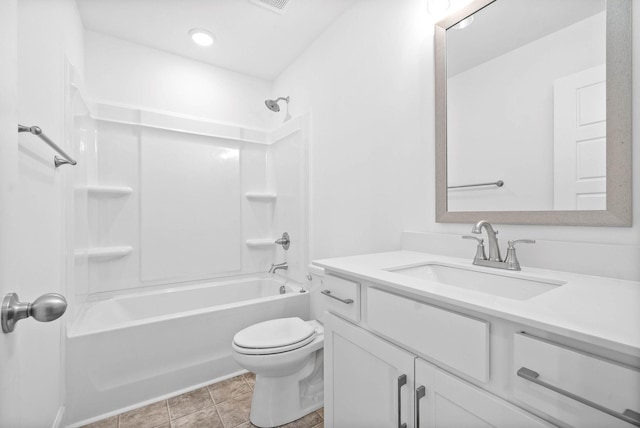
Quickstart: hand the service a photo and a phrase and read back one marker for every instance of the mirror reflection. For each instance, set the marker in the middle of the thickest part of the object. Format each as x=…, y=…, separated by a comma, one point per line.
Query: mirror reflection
x=526, y=107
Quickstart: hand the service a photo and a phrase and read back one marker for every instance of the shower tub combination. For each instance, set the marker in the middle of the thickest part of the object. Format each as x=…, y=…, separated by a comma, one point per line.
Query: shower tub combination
x=132, y=350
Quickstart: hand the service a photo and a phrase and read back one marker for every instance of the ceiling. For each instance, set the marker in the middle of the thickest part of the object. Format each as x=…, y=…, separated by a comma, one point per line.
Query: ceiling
x=248, y=38
x=506, y=25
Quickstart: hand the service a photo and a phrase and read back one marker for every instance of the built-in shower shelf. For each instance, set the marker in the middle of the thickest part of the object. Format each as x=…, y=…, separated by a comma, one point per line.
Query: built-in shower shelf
x=104, y=253
x=107, y=191
x=261, y=243
x=261, y=196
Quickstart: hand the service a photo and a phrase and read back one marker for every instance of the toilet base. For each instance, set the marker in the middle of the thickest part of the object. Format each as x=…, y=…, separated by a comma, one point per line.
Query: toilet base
x=283, y=399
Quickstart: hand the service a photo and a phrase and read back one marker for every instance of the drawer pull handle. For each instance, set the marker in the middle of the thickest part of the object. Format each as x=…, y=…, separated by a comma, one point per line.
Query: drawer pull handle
x=345, y=301
x=420, y=393
x=628, y=415
x=402, y=381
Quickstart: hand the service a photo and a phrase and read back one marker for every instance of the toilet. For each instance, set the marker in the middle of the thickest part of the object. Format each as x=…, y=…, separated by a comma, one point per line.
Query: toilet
x=286, y=354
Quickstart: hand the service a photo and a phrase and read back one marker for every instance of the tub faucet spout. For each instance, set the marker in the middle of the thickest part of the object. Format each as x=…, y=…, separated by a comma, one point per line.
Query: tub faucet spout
x=279, y=266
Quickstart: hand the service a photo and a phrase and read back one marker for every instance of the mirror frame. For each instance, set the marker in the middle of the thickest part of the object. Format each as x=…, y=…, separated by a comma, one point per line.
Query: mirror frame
x=619, y=124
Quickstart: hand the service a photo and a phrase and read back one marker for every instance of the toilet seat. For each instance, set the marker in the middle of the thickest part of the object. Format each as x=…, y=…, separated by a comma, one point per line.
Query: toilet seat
x=274, y=336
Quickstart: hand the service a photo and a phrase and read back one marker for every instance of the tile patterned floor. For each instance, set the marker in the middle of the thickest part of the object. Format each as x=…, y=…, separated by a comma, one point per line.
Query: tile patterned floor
x=224, y=404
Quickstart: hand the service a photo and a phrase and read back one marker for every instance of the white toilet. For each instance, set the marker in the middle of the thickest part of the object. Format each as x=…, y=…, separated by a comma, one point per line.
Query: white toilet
x=286, y=354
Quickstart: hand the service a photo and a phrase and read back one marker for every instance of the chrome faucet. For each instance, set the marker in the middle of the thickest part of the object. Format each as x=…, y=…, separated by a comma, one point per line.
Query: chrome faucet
x=494, y=248
x=279, y=266
x=494, y=260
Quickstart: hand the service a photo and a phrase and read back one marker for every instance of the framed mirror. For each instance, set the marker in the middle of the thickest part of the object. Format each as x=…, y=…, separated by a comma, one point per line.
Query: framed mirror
x=533, y=113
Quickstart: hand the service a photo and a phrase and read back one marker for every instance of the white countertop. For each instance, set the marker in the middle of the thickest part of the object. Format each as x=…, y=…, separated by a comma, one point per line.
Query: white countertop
x=597, y=310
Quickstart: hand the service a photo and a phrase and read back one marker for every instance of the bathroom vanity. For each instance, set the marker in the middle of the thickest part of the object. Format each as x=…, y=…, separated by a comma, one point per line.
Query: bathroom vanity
x=422, y=340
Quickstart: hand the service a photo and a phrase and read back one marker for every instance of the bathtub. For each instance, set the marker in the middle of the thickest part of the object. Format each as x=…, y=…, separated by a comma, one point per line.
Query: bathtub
x=132, y=350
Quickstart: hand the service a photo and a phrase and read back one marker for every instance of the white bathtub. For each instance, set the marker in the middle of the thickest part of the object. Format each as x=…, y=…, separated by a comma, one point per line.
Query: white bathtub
x=131, y=350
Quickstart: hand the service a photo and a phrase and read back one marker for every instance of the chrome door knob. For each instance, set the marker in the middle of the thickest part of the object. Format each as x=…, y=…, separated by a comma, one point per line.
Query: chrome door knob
x=45, y=308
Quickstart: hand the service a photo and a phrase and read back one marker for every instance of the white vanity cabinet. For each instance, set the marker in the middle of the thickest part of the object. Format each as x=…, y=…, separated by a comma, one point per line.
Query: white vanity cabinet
x=575, y=387
x=372, y=383
x=443, y=400
x=368, y=381
x=474, y=356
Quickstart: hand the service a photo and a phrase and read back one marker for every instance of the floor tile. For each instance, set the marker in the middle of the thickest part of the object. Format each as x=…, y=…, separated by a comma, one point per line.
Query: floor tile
x=307, y=421
x=149, y=416
x=190, y=402
x=207, y=418
x=250, y=378
x=196, y=409
x=235, y=410
x=111, y=422
x=228, y=389
x=246, y=425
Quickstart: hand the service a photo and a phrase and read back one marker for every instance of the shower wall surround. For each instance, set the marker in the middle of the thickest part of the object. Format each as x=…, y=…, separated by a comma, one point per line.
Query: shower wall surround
x=166, y=200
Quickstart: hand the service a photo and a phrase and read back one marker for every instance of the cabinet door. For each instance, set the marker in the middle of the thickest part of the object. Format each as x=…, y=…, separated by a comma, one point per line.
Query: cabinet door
x=368, y=382
x=449, y=402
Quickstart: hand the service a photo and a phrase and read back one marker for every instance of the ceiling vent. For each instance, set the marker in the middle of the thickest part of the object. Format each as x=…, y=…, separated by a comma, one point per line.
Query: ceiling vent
x=277, y=6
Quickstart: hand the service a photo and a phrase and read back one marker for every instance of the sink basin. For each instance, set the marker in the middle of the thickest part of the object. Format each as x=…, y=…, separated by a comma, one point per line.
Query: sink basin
x=501, y=283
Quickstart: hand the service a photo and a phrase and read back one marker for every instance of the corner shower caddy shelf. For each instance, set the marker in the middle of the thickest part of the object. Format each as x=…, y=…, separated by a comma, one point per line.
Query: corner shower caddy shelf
x=105, y=253
x=261, y=196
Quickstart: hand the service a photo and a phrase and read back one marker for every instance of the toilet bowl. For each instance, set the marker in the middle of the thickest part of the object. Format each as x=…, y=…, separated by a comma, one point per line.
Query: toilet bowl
x=286, y=354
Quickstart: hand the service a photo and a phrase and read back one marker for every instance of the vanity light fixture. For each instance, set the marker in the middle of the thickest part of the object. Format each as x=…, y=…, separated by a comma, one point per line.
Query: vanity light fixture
x=201, y=37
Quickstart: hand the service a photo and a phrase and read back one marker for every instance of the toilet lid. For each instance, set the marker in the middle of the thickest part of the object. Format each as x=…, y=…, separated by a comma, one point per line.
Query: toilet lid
x=276, y=333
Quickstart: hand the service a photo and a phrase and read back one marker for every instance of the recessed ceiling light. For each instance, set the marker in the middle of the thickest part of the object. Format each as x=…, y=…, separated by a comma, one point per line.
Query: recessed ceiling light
x=201, y=37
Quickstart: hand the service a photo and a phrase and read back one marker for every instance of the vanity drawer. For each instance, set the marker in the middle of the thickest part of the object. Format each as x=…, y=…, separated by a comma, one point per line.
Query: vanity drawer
x=342, y=297
x=455, y=340
x=572, y=386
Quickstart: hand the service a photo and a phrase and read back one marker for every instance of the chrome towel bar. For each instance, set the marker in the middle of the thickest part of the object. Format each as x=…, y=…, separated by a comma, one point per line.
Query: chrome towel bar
x=628, y=415
x=498, y=183
x=57, y=161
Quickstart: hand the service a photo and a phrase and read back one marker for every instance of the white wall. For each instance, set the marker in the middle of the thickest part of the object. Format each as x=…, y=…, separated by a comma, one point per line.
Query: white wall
x=121, y=72
x=500, y=119
x=368, y=82
x=47, y=34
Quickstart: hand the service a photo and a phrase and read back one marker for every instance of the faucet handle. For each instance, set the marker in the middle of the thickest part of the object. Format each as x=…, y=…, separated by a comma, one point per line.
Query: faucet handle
x=520, y=241
x=480, y=240
x=480, y=255
x=511, y=261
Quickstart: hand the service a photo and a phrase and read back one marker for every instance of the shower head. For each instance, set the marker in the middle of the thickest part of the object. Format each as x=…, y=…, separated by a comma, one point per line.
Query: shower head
x=273, y=104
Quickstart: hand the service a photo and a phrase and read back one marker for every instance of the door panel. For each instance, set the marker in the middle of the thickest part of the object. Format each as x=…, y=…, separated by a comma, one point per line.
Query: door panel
x=451, y=402
x=31, y=209
x=361, y=379
x=580, y=165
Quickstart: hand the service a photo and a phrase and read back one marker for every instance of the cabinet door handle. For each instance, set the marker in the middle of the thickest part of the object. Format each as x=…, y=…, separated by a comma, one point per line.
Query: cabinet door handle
x=420, y=393
x=402, y=381
x=328, y=294
x=628, y=415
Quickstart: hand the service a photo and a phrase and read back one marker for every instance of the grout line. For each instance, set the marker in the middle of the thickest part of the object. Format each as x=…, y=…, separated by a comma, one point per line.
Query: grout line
x=166, y=403
x=216, y=407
